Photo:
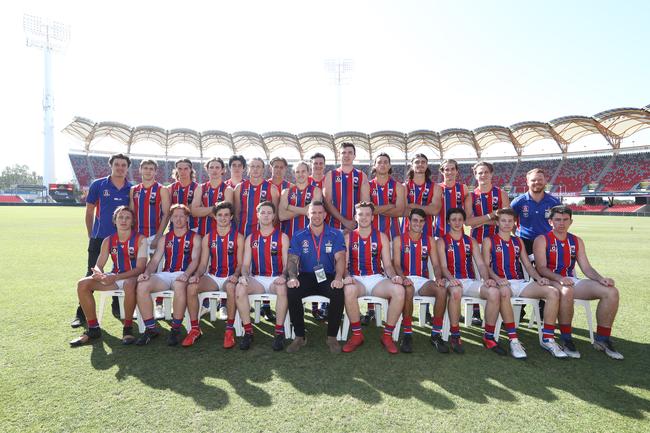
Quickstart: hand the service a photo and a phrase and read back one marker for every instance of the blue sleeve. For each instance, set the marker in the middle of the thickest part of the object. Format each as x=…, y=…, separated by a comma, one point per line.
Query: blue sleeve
x=93, y=192
x=339, y=242
x=516, y=204
x=294, y=246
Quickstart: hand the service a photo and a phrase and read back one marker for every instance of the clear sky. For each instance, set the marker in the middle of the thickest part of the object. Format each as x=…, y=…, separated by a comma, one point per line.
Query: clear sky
x=259, y=65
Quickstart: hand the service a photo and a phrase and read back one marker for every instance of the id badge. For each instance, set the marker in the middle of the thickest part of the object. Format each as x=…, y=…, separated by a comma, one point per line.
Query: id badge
x=319, y=272
x=328, y=249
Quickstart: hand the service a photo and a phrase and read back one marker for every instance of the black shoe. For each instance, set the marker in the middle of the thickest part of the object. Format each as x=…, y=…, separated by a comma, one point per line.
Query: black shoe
x=245, y=342
x=407, y=344
x=79, y=318
x=115, y=307
x=127, y=335
x=457, y=345
x=146, y=337
x=439, y=343
x=366, y=319
x=173, y=337
x=476, y=319
x=278, y=343
x=87, y=337
x=268, y=314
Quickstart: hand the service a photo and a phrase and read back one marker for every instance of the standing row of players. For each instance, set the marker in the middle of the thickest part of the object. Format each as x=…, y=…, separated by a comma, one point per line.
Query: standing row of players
x=347, y=196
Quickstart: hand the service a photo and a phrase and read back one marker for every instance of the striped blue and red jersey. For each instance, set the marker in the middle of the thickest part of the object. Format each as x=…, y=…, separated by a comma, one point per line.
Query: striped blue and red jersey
x=266, y=252
x=318, y=183
x=299, y=198
x=365, y=254
x=453, y=196
x=231, y=183
x=123, y=254
x=282, y=186
x=382, y=195
x=420, y=194
x=346, y=193
x=459, y=256
x=147, y=205
x=250, y=196
x=415, y=255
x=223, y=253
x=209, y=197
x=484, y=203
x=505, y=257
x=561, y=254
x=178, y=251
x=184, y=195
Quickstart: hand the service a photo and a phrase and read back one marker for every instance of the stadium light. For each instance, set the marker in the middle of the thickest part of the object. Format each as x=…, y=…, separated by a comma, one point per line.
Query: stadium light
x=49, y=36
x=339, y=70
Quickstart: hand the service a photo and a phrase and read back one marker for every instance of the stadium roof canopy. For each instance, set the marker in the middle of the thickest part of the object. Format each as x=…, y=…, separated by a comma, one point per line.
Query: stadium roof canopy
x=614, y=125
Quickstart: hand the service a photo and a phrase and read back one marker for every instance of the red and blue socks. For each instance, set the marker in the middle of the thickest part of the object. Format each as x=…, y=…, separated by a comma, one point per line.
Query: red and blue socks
x=602, y=333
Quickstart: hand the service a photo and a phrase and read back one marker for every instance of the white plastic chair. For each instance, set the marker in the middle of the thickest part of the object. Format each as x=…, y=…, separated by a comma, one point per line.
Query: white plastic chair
x=466, y=301
x=213, y=297
x=104, y=296
x=168, y=296
x=380, y=315
x=423, y=301
x=319, y=299
x=256, y=301
x=518, y=303
x=590, y=323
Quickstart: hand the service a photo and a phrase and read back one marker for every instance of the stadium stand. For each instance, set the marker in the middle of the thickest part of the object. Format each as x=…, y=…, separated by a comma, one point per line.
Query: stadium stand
x=587, y=207
x=626, y=171
x=621, y=208
x=11, y=199
x=81, y=169
x=548, y=165
x=578, y=172
x=99, y=166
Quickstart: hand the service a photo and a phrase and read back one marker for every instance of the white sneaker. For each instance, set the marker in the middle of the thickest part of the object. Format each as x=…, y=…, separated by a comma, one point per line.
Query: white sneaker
x=158, y=312
x=607, y=347
x=223, y=313
x=553, y=347
x=517, y=349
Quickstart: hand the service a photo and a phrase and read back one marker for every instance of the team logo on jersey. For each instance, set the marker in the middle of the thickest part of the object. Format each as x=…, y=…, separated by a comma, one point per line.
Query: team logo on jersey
x=244, y=192
x=495, y=201
x=262, y=195
x=231, y=248
x=355, y=245
x=355, y=180
x=131, y=252
x=425, y=252
x=106, y=193
x=114, y=250
x=170, y=244
x=516, y=249
x=338, y=179
x=407, y=249
x=294, y=196
x=547, y=213
x=573, y=251
x=373, y=249
x=136, y=195
x=477, y=202
x=450, y=248
x=524, y=210
x=374, y=193
x=274, y=248
x=175, y=194
x=190, y=193
x=186, y=246
x=498, y=248
x=305, y=243
x=308, y=196
x=553, y=248
x=458, y=196
x=213, y=244
x=255, y=244
x=467, y=249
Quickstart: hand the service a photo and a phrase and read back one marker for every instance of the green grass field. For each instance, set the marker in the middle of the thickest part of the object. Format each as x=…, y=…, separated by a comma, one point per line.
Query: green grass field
x=47, y=386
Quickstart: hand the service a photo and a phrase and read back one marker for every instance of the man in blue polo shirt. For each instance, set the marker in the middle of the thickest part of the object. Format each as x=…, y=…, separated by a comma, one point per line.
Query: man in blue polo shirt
x=315, y=266
x=104, y=196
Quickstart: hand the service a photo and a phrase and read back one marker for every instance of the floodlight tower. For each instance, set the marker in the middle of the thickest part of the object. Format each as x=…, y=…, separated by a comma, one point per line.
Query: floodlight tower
x=50, y=36
x=339, y=70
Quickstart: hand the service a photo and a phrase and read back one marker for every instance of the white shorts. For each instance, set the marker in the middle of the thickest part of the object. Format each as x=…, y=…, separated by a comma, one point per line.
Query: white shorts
x=265, y=282
x=150, y=245
x=418, y=282
x=471, y=287
x=168, y=277
x=576, y=280
x=370, y=281
x=518, y=286
x=120, y=284
x=220, y=281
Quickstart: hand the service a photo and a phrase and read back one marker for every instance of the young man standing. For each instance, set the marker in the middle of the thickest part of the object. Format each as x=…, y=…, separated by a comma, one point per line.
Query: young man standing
x=295, y=200
x=317, y=170
x=208, y=194
x=278, y=179
x=182, y=191
x=481, y=205
x=420, y=190
x=150, y=202
x=237, y=166
x=388, y=197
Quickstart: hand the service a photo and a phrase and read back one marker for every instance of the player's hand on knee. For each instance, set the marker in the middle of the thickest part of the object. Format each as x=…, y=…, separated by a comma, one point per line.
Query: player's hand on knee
x=502, y=282
x=566, y=281
x=606, y=282
x=293, y=283
x=337, y=284
x=143, y=277
x=490, y=282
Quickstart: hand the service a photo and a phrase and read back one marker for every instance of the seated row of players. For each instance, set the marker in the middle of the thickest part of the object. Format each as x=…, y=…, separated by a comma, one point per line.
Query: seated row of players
x=343, y=190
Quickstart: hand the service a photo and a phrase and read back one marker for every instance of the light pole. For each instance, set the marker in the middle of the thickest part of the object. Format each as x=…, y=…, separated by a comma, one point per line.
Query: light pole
x=339, y=70
x=50, y=36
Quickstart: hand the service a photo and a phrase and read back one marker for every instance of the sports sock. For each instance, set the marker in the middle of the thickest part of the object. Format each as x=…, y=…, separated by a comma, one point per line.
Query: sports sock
x=489, y=332
x=511, y=330
x=128, y=323
x=436, y=328
x=548, y=332
x=602, y=333
x=230, y=324
x=407, y=325
x=279, y=329
x=455, y=331
x=565, y=331
x=93, y=324
x=248, y=328
x=195, y=324
x=356, y=328
x=388, y=329
x=176, y=323
x=150, y=323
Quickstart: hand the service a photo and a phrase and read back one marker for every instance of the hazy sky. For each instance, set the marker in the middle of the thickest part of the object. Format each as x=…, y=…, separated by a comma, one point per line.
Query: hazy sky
x=259, y=65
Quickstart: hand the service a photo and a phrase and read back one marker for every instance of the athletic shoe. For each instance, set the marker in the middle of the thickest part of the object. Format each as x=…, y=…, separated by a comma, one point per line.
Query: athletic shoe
x=158, y=312
x=115, y=307
x=191, y=337
x=407, y=344
x=353, y=343
x=517, y=349
x=146, y=337
x=555, y=349
x=389, y=344
x=607, y=347
x=476, y=319
x=267, y=314
x=491, y=344
x=569, y=347
x=173, y=337
x=278, y=342
x=366, y=319
x=440, y=345
x=87, y=337
x=79, y=318
x=127, y=335
x=223, y=312
x=457, y=345
x=245, y=342
x=296, y=344
x=229, y=339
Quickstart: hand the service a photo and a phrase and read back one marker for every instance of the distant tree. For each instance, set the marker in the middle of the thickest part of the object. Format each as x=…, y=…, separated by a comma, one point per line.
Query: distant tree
x=19, y=175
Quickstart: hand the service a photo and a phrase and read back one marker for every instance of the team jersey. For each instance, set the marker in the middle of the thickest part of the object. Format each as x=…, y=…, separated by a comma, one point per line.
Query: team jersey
x=147, y=205
x=299, y=198
x=346, y=193
x=209, y=197
x=123, y=254
x=284, y=185
x=484, y=203
x=184, y=195
x=223, y=253
x=421, y=195
x=178, y=251
x=561, y=255
x=505, y=257
x=364, y=254
x=318, y=183
x=106, y=197
x=381, y=195
x=250, y=196
x=415, y=255
x=453, y=196
x=266, y=253
x=459, y=256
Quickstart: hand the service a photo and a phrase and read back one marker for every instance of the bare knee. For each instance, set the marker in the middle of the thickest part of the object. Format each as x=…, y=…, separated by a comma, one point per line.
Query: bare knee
x=552, y=294
x=409, y=291
x=504, y=293
x=566, y=293
x=455, y=293
x=493, y=295
x=192, y=289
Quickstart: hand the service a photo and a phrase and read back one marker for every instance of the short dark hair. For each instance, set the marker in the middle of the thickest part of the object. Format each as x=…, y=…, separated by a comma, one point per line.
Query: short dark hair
x=561, y=209
x=506, y=211
x=265, y=203
x=215, y=159
x=419, y=212
x=365, y=204
x=447, y=161
x=317, y=155
x=239, y=158
x=180, y=206
x=454, y=210
x=119, y=156
x=390, y=170
x=186, y=161
x=317, y=203
x=120, y=209
x=148, y=161
x=348, y=144
x=223, y=205
x=485, y=164
x=278, y=158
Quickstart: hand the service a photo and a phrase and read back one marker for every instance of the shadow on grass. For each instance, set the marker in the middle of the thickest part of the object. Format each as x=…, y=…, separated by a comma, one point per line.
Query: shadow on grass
x=207, y=373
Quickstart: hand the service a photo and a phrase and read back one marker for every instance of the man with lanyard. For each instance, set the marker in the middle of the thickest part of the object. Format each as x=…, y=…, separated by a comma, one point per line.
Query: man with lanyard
x=208, y=194
x=222, y=249
x=181, y=249
x=237, y=166
x=150, y=202
x=368, y=258
x=128, y=251
x=317, y=170
x=278, y=173
x=104, y=196
x=412, y=253
x=316, y=265
x=263, y=271
x=556, y=254
x=182, y=191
